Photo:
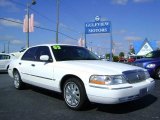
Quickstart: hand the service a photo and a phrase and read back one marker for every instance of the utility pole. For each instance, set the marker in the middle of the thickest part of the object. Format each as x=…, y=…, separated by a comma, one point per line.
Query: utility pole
x=57, y=23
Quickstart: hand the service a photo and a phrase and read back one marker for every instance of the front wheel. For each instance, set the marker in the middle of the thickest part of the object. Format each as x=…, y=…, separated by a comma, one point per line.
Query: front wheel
x=74, y=94
x=18, y=84
x=158, y=73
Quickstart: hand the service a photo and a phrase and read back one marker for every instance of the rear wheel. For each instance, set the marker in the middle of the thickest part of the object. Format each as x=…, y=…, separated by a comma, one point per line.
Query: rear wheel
x=74, y=94
x=18, y=84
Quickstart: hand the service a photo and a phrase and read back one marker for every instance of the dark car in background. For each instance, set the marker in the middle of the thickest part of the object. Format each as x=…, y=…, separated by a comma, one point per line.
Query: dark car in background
x=151, y=62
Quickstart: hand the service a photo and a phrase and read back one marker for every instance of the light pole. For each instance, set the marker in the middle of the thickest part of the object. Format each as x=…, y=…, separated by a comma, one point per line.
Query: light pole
x=111, y=47
x=57, y=23
x=28, y=7
x=4, y=47
x=8, y=45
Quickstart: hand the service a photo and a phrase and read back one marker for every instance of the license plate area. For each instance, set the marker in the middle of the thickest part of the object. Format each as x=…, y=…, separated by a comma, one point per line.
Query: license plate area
x=143, y=92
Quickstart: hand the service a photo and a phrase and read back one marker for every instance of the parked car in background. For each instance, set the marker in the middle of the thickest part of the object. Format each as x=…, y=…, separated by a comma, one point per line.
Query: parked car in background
x=122, y=59
x=151, y=62
x=132, y=58
x=18, y=54
x=5, y=61
x=80, y=75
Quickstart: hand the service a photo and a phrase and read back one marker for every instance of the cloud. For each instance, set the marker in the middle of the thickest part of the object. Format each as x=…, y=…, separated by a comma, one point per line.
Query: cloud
x=8, y=5
x=17, y=42
x=120, y=32
x=69, y=41
x=125, y=2
x=6, y=37
x=11, y=39
x=10, y=23
x=132, y=38
x=141, y=1
x=120, y=2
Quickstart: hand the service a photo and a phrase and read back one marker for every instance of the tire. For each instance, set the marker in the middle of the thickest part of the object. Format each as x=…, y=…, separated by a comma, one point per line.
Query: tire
x=18, y=84
x=74, y=94
x=158, y=73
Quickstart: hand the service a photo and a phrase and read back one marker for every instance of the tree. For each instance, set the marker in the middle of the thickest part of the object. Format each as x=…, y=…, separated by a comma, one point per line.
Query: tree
x=132, y=51
x=121, y=54
x=108, y=56
x=115, y=58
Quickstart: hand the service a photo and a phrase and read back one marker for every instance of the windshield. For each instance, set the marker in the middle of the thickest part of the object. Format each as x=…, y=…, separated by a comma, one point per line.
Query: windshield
x=153, y=54
x=63, y=53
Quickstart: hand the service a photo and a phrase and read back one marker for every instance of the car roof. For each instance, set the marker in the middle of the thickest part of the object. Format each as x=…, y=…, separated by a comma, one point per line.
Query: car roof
x=4, y=54
x=52, y=45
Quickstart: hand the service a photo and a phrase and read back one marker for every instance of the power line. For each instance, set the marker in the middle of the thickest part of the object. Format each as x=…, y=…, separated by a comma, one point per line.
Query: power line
x=39, y=27
x=45, y=17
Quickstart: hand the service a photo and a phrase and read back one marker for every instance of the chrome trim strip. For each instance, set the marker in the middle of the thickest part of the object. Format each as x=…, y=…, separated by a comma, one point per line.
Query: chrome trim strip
x=98, y=87
x=39, y=76
x=121, y=88
x=110, y=88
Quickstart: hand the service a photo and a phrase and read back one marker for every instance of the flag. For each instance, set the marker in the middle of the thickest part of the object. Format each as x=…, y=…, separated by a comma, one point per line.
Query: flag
x=25, y=24
x=81, y=42
x=31, y=23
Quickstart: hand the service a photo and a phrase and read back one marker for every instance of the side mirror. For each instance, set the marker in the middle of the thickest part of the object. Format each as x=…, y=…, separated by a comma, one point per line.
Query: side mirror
x=44, y=58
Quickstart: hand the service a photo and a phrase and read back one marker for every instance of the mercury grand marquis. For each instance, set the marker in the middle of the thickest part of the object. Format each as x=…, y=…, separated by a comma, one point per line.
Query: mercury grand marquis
x=79, y=75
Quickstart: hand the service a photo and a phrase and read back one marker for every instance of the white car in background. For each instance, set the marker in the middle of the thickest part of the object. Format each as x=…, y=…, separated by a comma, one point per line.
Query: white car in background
x=5, y=60
x=79, y=75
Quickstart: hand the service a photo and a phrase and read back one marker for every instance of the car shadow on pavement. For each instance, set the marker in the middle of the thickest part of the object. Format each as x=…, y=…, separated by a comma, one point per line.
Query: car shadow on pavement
x=3, y=72
x=114, y=109
x=129, y=106
x=43, y=91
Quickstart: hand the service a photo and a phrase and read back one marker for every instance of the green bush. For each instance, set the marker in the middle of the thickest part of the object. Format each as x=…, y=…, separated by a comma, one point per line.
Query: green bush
x=115, y=58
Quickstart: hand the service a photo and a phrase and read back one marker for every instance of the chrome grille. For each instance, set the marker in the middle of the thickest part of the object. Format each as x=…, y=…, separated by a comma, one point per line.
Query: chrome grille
x=134, y=76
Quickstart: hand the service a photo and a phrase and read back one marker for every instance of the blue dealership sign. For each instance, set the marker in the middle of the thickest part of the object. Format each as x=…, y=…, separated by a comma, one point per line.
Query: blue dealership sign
x=97, y=27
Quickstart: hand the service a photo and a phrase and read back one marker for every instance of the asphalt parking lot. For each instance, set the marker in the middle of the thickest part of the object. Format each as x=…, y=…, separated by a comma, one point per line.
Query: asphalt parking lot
x=35, y=103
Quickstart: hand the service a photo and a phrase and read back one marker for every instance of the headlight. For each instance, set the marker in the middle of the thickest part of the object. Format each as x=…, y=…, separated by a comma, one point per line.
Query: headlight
x=150, y=65
x=107, y=79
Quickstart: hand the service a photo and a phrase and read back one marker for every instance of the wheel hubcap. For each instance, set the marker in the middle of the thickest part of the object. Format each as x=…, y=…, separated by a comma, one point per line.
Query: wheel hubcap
x=72, y=94
x=158, y=73
x=16, y=80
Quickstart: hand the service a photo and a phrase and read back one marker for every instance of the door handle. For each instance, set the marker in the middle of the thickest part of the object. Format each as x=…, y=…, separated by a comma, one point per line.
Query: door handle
x=33, y=65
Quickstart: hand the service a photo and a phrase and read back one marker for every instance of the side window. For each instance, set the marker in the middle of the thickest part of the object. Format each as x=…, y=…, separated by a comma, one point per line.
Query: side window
x=4, y=57
x=43, y=50
x=29, y=54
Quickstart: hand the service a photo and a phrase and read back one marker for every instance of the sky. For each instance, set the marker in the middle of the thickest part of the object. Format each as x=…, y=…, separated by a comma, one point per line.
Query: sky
x=132, y=20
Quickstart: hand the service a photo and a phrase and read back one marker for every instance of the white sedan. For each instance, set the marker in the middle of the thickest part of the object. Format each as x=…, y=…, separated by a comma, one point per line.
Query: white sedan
x=5, y=61
x=79, y=75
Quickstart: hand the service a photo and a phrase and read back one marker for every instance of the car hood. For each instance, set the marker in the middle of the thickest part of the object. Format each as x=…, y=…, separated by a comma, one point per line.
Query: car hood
x=97, y=66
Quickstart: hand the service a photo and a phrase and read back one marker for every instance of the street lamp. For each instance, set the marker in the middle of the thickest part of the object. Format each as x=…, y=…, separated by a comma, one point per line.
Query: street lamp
x=28, y=7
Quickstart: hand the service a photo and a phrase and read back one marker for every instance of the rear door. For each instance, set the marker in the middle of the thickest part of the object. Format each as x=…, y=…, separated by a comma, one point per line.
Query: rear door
x=24, y=65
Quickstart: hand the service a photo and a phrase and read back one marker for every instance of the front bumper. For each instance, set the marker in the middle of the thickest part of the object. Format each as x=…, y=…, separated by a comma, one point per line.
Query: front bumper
x=120, y=94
